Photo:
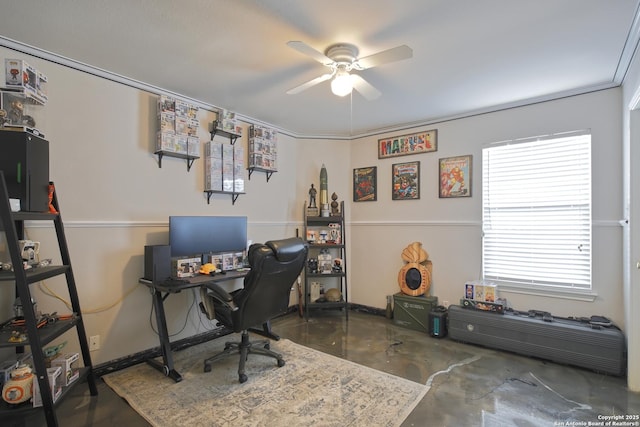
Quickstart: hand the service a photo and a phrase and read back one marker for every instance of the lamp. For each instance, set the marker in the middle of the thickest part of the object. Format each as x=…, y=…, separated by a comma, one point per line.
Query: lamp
x=341, y=84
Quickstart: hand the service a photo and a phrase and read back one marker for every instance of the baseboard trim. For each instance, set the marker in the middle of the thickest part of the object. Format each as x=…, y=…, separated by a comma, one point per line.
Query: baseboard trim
x=142, y=356
x=368, y=310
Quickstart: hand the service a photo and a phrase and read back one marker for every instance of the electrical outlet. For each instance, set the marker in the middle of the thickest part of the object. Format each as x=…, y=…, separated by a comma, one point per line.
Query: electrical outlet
x=94, y=343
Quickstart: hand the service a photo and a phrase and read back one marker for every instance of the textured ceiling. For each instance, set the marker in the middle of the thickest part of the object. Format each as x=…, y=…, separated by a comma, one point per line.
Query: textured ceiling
x=468, y=55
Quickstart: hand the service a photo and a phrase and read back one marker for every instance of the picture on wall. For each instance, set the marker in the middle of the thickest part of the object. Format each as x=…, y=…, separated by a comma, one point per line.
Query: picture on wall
x=415, y=143
x=365, y=187
x=455, y=177
x=405, y=181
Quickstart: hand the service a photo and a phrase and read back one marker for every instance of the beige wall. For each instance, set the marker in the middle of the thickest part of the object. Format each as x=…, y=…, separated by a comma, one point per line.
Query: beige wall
x=115, y=199
x=450, y=229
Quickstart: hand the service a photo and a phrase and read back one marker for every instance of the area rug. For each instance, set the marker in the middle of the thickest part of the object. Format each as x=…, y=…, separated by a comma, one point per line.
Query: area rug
x=312, y=389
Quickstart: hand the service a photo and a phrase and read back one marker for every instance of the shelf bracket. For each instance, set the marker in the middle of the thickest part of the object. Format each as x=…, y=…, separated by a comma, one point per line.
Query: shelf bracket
x=267, y=173
x=234, y=195
x=190, y=160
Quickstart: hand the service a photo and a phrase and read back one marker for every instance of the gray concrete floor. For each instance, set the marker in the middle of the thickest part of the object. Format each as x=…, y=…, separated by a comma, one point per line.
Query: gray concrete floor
x=469, y=385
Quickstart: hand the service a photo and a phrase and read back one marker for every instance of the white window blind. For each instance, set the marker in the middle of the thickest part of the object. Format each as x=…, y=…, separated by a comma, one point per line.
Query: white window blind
x=536, y=221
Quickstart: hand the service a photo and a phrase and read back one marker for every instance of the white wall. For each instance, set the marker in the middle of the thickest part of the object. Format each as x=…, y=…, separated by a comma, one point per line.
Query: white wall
x=631, y=206
x=115, y=199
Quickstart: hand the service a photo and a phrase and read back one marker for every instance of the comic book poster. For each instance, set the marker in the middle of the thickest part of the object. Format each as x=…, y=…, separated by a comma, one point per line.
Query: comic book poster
x=406, y=181
x=455, y=177
x=365, y=187
x=415, y=143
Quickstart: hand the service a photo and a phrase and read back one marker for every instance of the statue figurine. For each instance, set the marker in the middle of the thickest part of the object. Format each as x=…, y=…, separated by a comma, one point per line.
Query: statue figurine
x=312, y=197
x=334, y=205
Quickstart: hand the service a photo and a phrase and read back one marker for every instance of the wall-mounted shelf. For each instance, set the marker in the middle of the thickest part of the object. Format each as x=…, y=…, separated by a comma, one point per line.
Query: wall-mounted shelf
x=190, y=159
x=266, y=171
x=263, y=150
x=215, y=131
x=234, y=195
x=223, y=165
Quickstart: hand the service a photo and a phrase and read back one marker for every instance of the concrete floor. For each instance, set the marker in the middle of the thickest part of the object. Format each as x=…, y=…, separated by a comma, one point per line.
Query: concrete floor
x=469, y=385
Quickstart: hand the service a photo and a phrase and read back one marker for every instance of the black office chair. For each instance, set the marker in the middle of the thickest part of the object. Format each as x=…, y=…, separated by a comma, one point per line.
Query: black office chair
x=275, y=266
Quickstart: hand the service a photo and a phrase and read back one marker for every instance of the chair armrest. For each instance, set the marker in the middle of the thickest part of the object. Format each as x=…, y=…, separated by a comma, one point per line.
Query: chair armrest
x=220, y=295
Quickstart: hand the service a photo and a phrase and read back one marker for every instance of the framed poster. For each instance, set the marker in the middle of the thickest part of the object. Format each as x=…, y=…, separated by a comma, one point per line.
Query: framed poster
x=405, y=181
x=365, y=186
x=455, y=177
x=415, y=143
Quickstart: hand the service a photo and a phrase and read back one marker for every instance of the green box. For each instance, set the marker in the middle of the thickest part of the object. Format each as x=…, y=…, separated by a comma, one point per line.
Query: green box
x=413, y=312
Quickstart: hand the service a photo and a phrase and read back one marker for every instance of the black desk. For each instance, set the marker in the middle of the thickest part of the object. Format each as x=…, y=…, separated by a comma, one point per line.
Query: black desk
x=160, y=292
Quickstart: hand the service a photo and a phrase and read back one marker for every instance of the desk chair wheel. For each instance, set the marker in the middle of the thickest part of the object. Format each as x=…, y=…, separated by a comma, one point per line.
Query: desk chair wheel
x=207, y=367
x=280, y=363
x=242, y=378
x=267, y=346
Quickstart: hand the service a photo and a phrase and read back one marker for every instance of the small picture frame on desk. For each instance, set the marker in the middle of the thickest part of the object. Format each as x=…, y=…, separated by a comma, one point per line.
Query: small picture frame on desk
x=227, y=261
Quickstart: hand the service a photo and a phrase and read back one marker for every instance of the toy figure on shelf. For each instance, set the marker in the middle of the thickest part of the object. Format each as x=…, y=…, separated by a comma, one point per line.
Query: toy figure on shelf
x=3, y=118
x=312, y=196
x=16, y=114
x=312, y=209
x=334, y=205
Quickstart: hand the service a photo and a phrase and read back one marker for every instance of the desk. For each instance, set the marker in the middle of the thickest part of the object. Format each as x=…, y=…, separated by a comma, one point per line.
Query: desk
x=160, y=292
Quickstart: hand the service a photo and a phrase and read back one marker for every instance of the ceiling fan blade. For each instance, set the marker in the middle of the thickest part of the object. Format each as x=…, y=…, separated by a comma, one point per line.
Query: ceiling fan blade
x=305, y=49
x=307, y=85
x=390, y=55
x=364, y=87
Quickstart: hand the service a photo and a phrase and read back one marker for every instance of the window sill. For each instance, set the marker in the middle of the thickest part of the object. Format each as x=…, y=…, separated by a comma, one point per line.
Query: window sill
x=576, y=295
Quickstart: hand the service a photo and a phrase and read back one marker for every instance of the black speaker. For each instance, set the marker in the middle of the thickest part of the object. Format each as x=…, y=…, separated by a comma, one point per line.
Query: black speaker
x=157, y=262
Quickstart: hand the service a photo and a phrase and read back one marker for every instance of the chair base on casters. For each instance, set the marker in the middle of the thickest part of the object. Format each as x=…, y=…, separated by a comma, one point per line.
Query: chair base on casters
x=244, y=347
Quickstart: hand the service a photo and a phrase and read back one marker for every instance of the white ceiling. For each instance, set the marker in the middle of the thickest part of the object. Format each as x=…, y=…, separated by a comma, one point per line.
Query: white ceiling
x=469, y=56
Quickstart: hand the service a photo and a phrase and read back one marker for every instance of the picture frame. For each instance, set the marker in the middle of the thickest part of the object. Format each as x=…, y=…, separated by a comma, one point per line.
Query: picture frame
x=455, y=176
x=365, y=184
x=405, y=179
x=404, y=145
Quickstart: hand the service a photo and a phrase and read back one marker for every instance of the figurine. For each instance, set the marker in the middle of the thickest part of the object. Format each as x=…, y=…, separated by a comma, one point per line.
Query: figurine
x=312, y=197
x=3, y=118
x=16, y=116
x=334, y=205
x=312, y=264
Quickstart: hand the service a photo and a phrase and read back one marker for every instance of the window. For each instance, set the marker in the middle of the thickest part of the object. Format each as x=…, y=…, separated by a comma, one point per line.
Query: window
x=536, y=213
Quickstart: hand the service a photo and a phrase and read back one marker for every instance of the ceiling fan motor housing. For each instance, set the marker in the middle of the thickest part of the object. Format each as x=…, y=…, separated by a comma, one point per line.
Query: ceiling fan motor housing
x=342, y=53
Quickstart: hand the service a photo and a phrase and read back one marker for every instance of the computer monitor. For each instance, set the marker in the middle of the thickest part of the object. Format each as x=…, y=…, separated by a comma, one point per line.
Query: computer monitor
x=201, y=235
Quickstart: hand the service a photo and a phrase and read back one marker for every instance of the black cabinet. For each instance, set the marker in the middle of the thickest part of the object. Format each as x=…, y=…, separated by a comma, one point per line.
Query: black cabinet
x=24, y=159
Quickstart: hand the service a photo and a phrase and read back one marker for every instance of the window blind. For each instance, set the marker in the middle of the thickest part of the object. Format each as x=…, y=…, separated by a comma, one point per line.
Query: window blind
x=536, y=220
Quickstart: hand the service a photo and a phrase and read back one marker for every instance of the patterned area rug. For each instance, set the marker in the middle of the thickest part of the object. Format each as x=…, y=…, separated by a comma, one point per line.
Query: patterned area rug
x=312, y=389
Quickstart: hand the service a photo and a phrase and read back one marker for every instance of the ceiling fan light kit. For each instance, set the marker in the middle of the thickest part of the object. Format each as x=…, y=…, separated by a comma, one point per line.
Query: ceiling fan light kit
x=342, y=58
x=341, y=84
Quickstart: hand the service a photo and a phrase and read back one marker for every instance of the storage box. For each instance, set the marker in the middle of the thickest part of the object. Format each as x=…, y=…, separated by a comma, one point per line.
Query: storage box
x=19, y=74
x=480, y=290
x=55, y=382
x=67, y=363
x=185, y=267
x=413, y=312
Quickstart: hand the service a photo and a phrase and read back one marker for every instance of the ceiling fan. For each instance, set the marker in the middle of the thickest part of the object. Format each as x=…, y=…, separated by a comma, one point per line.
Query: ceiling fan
x=342, y=58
